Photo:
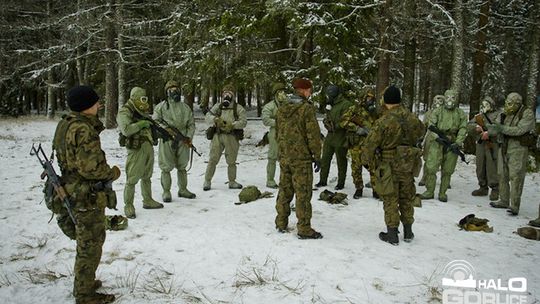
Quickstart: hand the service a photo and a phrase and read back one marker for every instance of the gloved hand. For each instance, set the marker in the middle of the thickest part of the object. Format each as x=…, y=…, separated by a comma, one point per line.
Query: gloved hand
x=116, y=173
x=317, y=165
x=143, y=124
x=362, y=131
x=494, y=129
x=220, y=123
x=227, y=127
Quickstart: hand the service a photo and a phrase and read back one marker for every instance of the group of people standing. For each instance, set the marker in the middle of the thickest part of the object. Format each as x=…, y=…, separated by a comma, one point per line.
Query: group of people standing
x=384, y=138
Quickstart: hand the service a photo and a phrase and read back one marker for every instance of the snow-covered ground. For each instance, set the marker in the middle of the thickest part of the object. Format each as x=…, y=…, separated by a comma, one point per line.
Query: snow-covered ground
x=208, y=250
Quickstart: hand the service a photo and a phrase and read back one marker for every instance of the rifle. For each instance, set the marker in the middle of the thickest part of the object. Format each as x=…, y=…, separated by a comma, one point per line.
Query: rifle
x=447, y=143
x=479, y=119
x=264, y=141
x=50, y=173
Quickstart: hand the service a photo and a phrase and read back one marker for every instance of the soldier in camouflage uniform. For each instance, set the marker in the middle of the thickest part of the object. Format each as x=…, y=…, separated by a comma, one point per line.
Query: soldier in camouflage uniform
x=453, y=122
x=83, y=166
x=334, y=142
x=391, y=151
x=172, y=155
x=486, y=150
x=512, y=129
x=438, y=100
x=139, y=144
x=299, y=145
x=358, y=120
x=229, y=119
x=269, y=112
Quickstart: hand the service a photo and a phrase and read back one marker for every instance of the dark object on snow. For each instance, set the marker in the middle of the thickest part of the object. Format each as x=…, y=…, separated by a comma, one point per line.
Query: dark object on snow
x=472, y=223
x=529, y=233
x=333, y=197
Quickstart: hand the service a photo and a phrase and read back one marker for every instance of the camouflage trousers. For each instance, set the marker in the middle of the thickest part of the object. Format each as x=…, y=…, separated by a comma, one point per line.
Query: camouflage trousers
x=356, y=168
x=296, y=178
x=398, y=205
x=90, y=236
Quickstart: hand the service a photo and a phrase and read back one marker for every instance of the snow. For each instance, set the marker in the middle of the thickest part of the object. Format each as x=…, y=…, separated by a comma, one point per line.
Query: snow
x=208, y=250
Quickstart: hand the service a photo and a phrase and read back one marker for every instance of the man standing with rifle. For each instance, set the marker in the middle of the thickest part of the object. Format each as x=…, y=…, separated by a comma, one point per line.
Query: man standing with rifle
x=174, y=154
x=83, y=166
x=486, y=150
x=138, y=141
x=450, y=122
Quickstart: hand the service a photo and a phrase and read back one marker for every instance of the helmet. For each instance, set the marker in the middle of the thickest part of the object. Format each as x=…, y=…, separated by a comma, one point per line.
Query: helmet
x=512, y=103
x=487, y=105
x=139, y=99
x=438, y=100
x=170, y=84
x=249, y=194
x=277, y=86
x=450, y=99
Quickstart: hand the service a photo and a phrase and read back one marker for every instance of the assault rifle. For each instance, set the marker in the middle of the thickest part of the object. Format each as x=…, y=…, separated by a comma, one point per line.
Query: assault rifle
x=479, y=119
x=447, y=143
x=54, y=179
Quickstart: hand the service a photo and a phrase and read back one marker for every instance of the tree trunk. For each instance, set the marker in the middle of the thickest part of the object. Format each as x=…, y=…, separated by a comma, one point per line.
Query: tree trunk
x=241, y=94
x=532, y=88
x=111, y=103
x=122, y=86
x=409, y=60
x=383, y=71
x=480, y=58
x=51, y=96
x=458, y=56
x=79, y=59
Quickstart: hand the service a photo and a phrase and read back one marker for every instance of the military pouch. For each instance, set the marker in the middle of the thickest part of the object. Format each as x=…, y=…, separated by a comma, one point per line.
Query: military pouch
x=134, y=142
x=52, y=201
x=385, y=182
x=210, y=132
x=121, y=139
x=408, y=159
x=111, y=199
x=528, y=139
x=238, y=133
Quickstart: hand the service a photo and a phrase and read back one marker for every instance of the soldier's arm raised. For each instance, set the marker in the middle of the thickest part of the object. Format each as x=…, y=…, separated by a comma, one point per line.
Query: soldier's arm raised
x=525, y=124
x=126, y=124
x=242, y=120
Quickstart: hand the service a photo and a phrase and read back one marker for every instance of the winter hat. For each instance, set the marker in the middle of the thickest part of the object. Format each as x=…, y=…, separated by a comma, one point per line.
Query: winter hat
x=301, y=83
x=171, y=84
x=80, y=98
x=392, y=95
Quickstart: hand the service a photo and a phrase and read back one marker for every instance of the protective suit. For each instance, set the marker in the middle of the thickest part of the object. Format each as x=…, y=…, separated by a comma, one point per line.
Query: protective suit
x=269, y=113
x=438, y=100
x=139, y=145
x=452, y=121
x=512, y=129
x=229, y=120
x=178, y=115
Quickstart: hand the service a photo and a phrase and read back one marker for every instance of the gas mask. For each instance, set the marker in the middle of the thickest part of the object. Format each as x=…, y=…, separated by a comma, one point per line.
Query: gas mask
x=450, y=101
x=332, y=92
x=142, y=104
x=438, y=101
x=486, y=107
x=512, y=103
x=281, y=97
x=174, y=94
x=227, y=99
x=370, y=103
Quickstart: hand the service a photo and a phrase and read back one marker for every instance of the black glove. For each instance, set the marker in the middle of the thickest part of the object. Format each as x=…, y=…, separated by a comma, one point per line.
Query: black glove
x=317, y=165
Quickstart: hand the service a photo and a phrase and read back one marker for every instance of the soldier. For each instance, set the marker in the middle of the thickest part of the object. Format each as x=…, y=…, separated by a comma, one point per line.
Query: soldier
x=269, y=119
x=358, y=120
x=453, y=122
x=229, y=119
x=438, y=100
x=391, y=151
x=486, y=150
x=512, y=129
x=536, y=222
x=172, y=154
x=334, y=142
x=138, y=142
x=83, y=166
x=299, y=145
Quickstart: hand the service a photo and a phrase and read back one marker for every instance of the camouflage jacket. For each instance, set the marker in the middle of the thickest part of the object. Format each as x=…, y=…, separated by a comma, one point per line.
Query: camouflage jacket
x=78, y=150
x=354, y=117
x=298, y=131
x=397, y=127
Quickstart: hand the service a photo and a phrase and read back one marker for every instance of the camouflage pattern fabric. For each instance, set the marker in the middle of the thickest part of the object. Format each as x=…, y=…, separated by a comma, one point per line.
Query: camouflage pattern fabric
x=178, y=115
x=398, y=129
x=335, y=141
x=354, y=117
x=83, y=163
x=473, y=223
x=454, y=123
x=299, y=144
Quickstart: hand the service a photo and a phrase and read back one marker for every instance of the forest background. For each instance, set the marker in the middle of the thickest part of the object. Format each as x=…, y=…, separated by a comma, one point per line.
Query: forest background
x=478, y=47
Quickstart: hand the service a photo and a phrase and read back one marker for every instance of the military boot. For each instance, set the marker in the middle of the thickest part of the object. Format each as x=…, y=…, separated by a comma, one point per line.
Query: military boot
x=129, y=194
x=499, y=204
x=430, y=187
x=96, y=298
x=426, y=195
x=182, y=185
x=207, y=185
x=166, y=185
x=339, y=187
x=482, y=191
x=311, y=234
x=231, y=173
x=535, y=223
x=408, y=235
x=443, y=197
x=148, y=201
x=422, y=181
x=494, y=195
x=358, y=193
x=270, y=173
x=390, y=236
x=320, y=184
x=445, y=183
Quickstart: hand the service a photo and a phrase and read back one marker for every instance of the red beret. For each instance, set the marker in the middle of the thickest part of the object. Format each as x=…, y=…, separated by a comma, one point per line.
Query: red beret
x=301, y=83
